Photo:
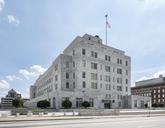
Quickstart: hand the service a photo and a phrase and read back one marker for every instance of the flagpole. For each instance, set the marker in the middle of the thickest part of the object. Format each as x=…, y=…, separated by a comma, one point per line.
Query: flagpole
x=106, y=28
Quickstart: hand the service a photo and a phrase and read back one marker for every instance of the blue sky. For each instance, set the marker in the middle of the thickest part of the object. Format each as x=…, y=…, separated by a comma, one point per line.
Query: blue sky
x=34, y=32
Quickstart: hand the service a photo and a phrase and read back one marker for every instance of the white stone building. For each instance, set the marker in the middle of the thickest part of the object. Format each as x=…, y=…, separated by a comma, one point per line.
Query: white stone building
x=86, y=70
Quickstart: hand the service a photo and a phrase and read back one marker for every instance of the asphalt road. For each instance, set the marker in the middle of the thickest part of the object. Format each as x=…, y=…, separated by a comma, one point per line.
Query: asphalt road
x=134, y=122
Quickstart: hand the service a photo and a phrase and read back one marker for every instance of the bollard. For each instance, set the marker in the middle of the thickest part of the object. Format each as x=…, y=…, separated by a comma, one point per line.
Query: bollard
x=29, y=114
x=53, y=114
x=41, y=114
x=17, y=114
x=64, y=113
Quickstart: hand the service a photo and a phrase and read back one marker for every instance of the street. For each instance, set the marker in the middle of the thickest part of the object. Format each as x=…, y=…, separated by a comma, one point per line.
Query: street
x=134, y=122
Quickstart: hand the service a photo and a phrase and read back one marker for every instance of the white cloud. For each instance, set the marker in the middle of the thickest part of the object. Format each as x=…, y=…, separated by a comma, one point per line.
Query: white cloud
x=155, y=75
x=2, y=4
x=13, y=77
x=12, y=19
x=4, y=85
x=33, y=71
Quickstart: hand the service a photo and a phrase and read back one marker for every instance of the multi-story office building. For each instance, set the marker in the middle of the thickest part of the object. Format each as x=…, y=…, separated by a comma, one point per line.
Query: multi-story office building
x=6, y=102
x=154, y=88
x=86, y=70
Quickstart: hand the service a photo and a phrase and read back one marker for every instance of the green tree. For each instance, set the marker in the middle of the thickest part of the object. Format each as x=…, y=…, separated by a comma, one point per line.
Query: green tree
x=43, y=104
x=85, y=104
x=17, y=103
x=66, y=104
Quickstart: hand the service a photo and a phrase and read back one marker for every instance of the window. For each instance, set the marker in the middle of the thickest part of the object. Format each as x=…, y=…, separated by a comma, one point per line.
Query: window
x=107, y=78
x=73, y=75
x=93, y=76
x=100, y=66
x=91, y=101
x=158, y=90
x=79, y=102
x=119, y=88
x=107, y=58
x=94, y=85
x=73, y=52
x=56, y=67
x=73, y=64
x=107, y=68
x=126, y=81
x=93, y=54
x=83, y=75
x=100, y=77
x=84, y=84
x=107, y=86
x=126, y=89
x=56, y=77
x=73, y=84
x=119, y=71
x=120, y=61
x=135, y=103
x=83, y=52
x=101, y=85
x=93, y=66
x=119, y=80
x=56, y=86
x=67, y=75
x=126, y=63
x=84, y=63
x=67, y=84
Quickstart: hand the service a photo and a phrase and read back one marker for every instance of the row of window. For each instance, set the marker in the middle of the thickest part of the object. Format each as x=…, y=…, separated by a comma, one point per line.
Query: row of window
x=94, y=85
x=95, y=67
x=94, y=76
x=107, y=58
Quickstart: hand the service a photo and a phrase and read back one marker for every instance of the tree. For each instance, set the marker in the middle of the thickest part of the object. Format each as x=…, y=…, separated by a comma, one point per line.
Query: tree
x=17, y=103
x=66, y=104
x=85, y=104
x=43, y=104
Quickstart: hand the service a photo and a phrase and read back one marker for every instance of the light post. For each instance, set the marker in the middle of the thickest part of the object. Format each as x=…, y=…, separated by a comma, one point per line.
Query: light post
x=149, y=108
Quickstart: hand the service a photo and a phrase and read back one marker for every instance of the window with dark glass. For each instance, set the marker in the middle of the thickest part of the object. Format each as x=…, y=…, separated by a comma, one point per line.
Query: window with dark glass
x=83, y=51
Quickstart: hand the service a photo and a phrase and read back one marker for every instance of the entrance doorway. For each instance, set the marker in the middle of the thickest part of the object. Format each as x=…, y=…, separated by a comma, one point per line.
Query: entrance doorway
x=107, y=105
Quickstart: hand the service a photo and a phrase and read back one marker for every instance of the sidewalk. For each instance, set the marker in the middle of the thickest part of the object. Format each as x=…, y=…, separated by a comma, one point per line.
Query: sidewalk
x=46, y=117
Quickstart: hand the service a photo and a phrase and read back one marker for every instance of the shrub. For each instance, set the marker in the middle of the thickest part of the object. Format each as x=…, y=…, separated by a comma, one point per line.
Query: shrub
x=85, y=104
x=43, y=104
x=17, y=103
x=66, y=104
x=146, y=105
x=154, y=105
x=160, y=105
